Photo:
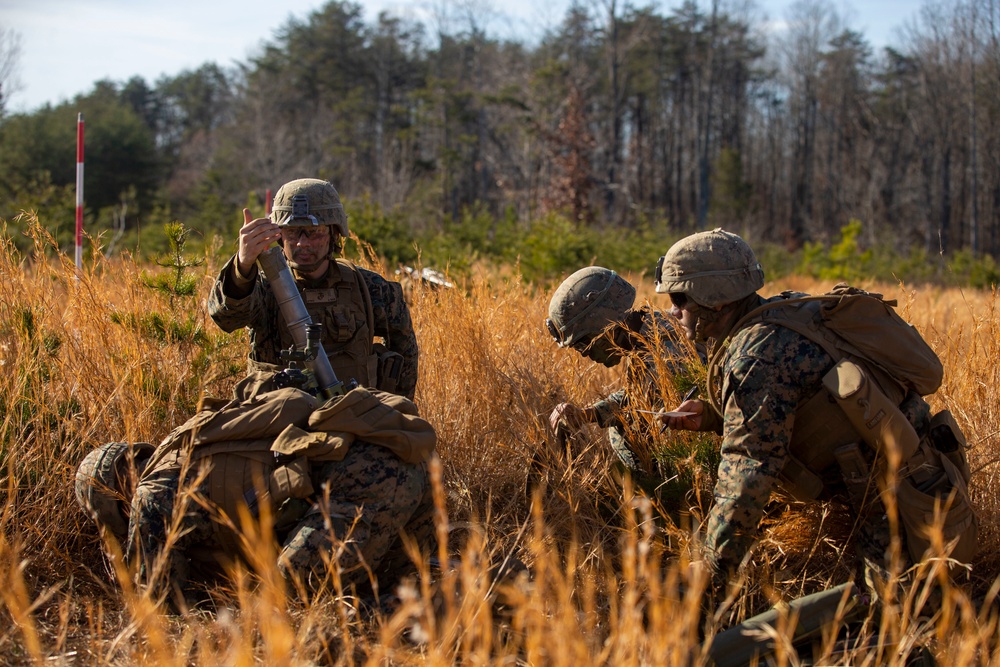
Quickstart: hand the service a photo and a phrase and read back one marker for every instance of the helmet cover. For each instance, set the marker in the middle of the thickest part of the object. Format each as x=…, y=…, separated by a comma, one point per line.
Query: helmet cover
x=586, y=303
x=711, y=268
x=102, y=482
x=309, y=202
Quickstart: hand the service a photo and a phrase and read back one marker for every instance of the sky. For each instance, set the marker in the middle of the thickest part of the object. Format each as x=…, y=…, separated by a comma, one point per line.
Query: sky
x=68, y=45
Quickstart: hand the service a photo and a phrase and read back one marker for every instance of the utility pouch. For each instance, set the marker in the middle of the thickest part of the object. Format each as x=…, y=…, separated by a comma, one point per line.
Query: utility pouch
x=291, y=480
x=798, y=481
x=390, y=365
x=939, y=503
x=948, y=439
x=857, y=475
x=877, y=420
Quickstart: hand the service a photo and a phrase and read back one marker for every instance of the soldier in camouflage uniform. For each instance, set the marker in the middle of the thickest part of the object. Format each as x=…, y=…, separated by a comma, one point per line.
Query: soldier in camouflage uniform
x=341, y=522
x=356, y=519
x=768, y=374
x=354, y=305
x=592, y=312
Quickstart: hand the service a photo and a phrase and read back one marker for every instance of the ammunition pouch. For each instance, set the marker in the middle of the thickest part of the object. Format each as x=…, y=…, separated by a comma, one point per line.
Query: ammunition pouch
x=857, y=474
x=390, y=365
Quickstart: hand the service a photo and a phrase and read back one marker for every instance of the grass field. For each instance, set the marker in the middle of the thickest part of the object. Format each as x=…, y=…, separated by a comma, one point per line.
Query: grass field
x=101, y=357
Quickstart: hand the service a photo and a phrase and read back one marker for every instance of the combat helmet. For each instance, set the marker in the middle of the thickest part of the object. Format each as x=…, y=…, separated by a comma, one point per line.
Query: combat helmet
x=309, y=202
x=586, y=303
x=102, y=481
x=711, y=268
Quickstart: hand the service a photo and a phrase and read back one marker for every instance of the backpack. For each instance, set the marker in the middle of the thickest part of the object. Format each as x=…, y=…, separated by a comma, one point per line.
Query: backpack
x=850, y=323
x=847, y=321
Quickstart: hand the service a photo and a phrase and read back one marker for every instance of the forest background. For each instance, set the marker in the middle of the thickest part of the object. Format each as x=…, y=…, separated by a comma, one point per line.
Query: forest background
x=621, y=130
x=617, y=133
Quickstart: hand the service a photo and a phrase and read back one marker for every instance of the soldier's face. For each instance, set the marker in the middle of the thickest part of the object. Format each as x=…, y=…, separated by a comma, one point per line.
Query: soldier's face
x=680, y=309
x=307, y=248
x=603, y=350
x=712, y=321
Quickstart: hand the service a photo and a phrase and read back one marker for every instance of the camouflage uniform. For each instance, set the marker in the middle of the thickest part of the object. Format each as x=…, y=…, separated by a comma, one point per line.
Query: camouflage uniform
x=373, y=497
x=361, y=507
x=802, y=406
x=259, y=311
x=359, y=499
x=767, y=372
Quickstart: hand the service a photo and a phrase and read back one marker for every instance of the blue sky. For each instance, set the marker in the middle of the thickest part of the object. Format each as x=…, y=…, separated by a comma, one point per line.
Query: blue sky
x=67, y=45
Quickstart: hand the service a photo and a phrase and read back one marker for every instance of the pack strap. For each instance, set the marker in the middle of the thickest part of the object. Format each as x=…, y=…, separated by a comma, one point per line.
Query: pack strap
x=714, y=387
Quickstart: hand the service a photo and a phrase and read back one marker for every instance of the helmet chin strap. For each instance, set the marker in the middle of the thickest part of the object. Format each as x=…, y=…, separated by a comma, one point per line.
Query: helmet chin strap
x=706, y=317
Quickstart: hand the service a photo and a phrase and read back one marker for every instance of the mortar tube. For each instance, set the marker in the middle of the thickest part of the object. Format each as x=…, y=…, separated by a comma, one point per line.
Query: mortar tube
x=273, y=264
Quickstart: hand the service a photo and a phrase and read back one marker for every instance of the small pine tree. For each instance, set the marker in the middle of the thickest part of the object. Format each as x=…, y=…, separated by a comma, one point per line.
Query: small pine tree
x=176, y=283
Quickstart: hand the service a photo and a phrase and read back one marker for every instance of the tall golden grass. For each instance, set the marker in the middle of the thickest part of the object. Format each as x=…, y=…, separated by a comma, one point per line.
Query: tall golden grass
x=91, y=357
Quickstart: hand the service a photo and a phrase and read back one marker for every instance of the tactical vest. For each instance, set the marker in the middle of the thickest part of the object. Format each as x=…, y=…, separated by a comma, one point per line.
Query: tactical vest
x=345, y=311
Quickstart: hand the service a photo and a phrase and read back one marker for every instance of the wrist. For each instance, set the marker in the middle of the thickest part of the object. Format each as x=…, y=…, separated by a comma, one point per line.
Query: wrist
x=241, y=277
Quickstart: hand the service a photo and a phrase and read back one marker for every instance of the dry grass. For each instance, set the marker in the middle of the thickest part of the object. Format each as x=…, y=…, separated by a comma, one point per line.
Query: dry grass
x=83, y=361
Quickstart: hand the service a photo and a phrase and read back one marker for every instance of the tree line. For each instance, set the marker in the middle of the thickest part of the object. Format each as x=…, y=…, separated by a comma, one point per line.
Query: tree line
x=622, y=117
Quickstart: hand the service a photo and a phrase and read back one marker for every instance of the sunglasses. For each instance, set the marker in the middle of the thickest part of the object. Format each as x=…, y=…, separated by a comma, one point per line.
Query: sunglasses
x=679, y=299
x=311, y=233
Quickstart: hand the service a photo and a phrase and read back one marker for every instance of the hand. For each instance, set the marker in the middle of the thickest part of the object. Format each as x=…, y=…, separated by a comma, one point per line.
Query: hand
x=255, y=235
x=689, y=423
x=567, y=415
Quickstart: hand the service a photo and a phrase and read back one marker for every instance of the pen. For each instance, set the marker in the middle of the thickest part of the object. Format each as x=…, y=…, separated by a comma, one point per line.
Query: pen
x=691, y=393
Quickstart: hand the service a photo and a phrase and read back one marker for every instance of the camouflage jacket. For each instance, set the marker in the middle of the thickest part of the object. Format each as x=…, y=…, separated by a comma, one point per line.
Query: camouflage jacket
x=767, y=372
x=258, y=310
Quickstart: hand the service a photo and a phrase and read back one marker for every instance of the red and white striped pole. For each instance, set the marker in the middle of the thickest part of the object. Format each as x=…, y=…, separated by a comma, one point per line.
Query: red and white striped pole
x=79, y=191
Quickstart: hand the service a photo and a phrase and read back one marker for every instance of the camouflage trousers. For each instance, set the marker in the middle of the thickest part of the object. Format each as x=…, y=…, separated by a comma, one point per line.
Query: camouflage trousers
x=350, y=531
x=364, y=505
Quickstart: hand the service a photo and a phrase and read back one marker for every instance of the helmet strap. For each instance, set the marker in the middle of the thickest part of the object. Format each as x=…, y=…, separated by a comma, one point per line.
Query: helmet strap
x=336, y=243
x=705, y=317
x=702, y=317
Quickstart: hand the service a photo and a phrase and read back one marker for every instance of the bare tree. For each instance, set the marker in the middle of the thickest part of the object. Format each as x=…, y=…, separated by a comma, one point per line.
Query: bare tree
x=10, y=65
x=812, y=25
